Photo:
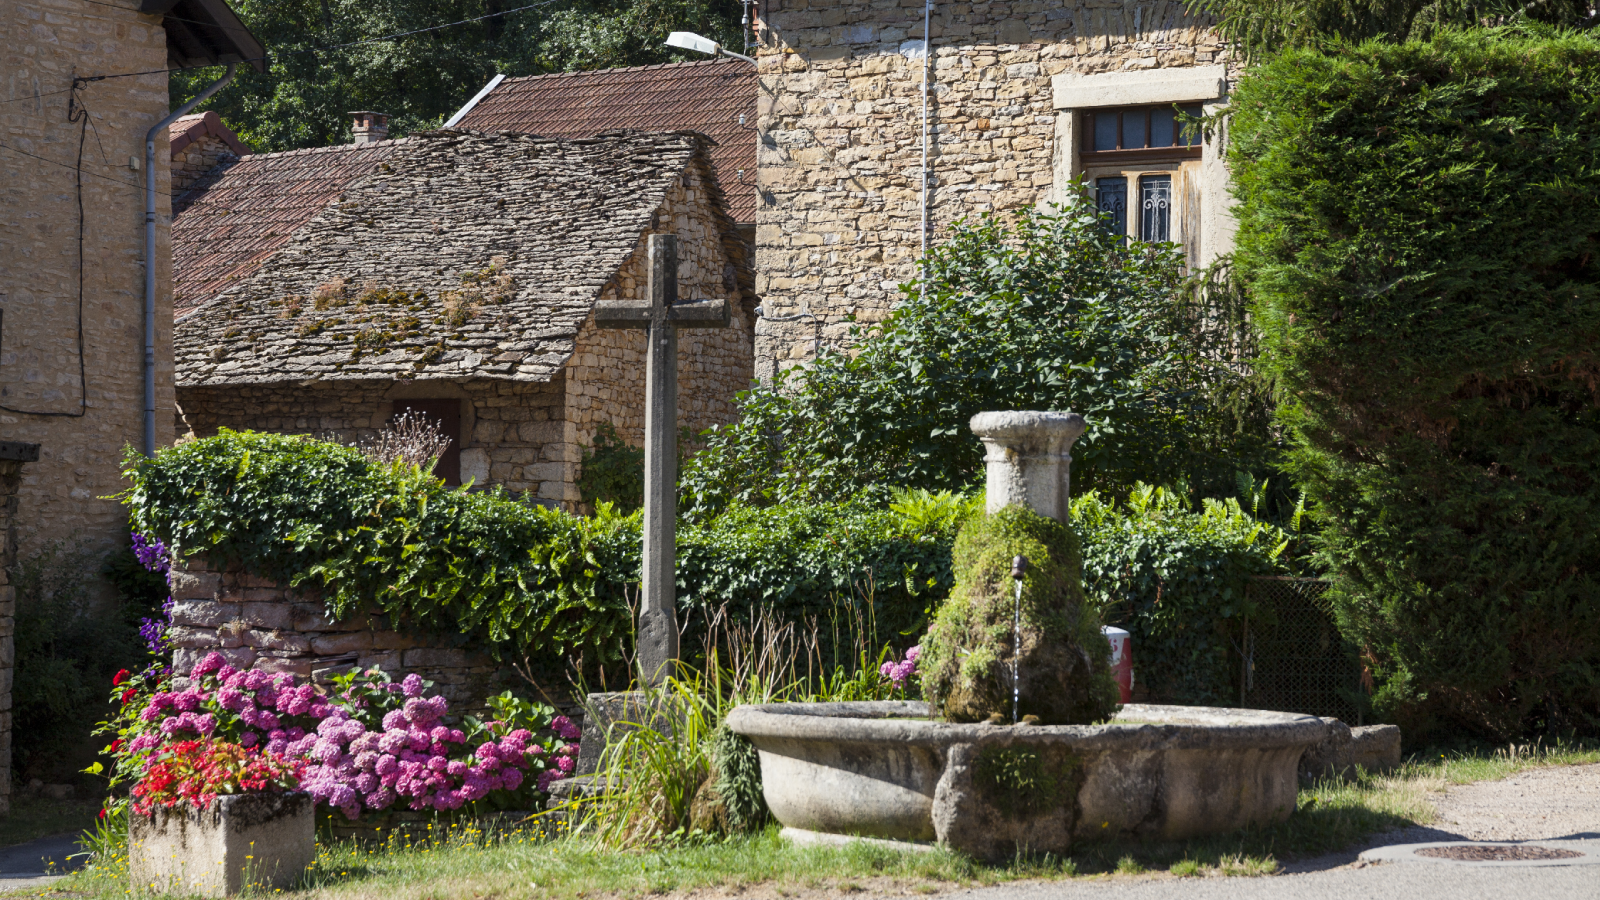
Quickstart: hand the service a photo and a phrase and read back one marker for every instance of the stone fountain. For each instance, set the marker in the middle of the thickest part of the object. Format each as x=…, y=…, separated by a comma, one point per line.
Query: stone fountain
x=887, y=770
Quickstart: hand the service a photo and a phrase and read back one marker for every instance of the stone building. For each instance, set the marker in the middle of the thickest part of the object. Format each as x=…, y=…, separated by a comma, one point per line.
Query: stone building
x=80, y=85
x=454, y=273
x=1023, y=97
x=199, y=143
x=716, y=97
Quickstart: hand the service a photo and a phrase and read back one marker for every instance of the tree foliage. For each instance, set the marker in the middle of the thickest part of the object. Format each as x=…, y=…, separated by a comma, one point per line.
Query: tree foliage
x=313, y=78
x=1420, y=229
x=1051, y=312
x=1264, y=27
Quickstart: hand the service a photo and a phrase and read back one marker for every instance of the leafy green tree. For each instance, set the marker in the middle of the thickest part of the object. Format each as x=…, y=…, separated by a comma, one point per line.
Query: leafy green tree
x=1262, y=27
x=323, y=62
x=1419, y=227
x=1051, y=312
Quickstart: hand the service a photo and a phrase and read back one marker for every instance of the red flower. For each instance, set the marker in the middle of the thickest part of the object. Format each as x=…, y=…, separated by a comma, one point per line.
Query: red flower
x=115, y=745
x=128, y=694
x=121, y=676
x=102, y=814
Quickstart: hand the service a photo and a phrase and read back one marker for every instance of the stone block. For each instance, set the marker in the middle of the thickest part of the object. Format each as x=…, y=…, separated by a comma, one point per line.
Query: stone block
x=258, y=842
x=341, y=643
x=299, y=667
x=188, y=638
x=201, y=613
x=190, y=585
x=275, y=615
x=283, y=641
x=434, y=657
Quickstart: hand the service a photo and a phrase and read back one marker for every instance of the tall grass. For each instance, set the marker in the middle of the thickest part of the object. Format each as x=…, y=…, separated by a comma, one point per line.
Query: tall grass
x=649, y=776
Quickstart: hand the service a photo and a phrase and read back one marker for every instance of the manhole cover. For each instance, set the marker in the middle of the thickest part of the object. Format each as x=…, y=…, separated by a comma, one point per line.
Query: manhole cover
x=1482, y=853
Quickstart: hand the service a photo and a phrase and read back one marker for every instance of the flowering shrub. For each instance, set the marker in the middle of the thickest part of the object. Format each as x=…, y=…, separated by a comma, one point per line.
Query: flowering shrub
x=196, y=772
x=367, y=744
x=901, y=673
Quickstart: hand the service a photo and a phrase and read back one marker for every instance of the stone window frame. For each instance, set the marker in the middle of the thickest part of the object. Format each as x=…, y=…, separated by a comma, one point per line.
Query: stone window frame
x=1199, y=217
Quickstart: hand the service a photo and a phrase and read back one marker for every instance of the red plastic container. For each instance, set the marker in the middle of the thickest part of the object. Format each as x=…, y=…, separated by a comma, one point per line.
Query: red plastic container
x=1121, y=660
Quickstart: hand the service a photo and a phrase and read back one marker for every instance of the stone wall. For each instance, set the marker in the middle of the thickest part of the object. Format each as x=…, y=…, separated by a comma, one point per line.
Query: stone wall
x=258, y=624
x=43, y=43
x=511, y=430
x=12, y=457
x=838, y=226
x=196, y=159
x=606, y=375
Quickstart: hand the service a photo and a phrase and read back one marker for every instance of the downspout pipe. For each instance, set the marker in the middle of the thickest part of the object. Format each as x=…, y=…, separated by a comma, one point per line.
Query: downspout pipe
x=927, y=73
x=150, y=252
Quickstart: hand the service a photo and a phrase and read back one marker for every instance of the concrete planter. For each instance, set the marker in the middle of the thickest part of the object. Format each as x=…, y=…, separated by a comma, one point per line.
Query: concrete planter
x=884, y=770
x=247, y=840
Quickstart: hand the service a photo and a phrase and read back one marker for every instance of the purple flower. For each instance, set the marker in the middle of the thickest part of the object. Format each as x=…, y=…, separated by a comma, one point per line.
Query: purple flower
x=151, y=554
x=564, y=727
x=412, y=685
x=204, y=667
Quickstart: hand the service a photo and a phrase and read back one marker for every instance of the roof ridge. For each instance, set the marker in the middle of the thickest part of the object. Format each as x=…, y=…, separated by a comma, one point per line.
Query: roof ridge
x=331, y=148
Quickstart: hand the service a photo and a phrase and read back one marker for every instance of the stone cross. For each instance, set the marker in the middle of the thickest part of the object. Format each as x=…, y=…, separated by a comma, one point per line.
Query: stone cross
x=661, y=315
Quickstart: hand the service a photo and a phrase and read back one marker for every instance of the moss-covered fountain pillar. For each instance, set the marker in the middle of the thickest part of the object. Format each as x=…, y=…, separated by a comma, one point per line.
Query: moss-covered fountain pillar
x=1028, y=456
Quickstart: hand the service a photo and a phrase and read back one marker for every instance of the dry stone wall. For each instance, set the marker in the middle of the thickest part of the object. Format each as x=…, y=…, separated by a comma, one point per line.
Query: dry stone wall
x=258, y=624
x=840, y=113
x=43, y=44
x=195, y=160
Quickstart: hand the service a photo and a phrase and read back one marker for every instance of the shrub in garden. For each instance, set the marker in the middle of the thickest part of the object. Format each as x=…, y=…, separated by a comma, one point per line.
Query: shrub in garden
x=524, y=580
x=194, y=773
x=1063, y=674
x=1420, y=228
x=1175, y=577
x=1052, y=312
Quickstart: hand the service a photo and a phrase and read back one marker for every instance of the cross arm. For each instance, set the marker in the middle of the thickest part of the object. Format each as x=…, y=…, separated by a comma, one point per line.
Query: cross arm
x=689, y=314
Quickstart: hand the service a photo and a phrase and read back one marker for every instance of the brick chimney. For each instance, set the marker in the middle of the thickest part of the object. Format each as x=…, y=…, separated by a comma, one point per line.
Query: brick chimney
x=370, y=127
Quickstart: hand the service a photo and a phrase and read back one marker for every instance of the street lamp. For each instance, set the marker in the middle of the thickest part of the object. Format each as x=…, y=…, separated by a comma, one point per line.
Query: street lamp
x=688, y=40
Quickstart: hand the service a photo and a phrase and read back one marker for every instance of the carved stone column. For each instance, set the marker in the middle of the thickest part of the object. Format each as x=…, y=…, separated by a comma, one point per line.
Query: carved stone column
x=1029, y=459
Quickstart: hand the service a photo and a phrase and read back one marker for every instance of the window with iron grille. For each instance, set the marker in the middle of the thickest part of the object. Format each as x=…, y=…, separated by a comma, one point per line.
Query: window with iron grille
x=1155, y=207
x=1111, y=196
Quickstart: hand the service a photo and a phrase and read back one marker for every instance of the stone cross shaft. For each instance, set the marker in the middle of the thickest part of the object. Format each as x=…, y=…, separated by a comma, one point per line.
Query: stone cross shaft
x=660, y=315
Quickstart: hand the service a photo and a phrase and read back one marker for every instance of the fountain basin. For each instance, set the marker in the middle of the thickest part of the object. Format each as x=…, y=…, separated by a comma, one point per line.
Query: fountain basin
x=885, y=770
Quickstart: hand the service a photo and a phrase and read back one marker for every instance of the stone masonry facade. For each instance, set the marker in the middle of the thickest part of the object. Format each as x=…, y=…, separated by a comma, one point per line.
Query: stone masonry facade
x=82, y=425
x=258, y=624
x=840, y=114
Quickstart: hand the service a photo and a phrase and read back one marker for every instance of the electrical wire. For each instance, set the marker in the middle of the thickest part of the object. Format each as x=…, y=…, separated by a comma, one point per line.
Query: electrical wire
x=78, y=114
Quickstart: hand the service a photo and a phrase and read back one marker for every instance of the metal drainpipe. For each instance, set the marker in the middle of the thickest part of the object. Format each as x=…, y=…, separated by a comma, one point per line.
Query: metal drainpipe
x=927, y=70
x=150, y=254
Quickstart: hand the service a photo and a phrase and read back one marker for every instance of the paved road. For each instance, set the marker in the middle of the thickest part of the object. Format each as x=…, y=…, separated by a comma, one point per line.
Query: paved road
x=1405, y=881
x=1545, y=805
x=38, y=862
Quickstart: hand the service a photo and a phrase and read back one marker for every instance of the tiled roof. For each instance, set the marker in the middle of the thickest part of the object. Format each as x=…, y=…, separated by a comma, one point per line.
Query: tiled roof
x=461, y=254
x=706, y=96
x=244, y=210
x=185, y=130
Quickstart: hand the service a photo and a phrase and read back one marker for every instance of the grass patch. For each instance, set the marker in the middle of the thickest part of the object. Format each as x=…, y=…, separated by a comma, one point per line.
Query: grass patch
x=465, y=863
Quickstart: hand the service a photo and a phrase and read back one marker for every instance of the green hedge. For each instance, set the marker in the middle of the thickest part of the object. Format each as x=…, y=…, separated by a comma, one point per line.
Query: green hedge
x=528, y=579
x=1175, y=579
x=1420, y=229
